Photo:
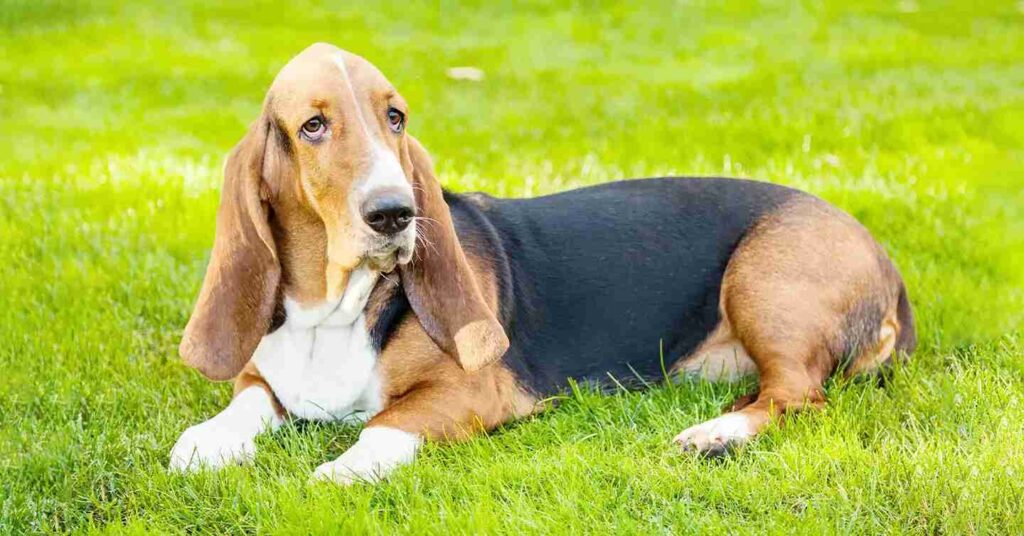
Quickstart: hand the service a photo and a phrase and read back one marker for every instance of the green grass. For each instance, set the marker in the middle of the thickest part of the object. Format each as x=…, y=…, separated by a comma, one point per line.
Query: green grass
x=114, y=122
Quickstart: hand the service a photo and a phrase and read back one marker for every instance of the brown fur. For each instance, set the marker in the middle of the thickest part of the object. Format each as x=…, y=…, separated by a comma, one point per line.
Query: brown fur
x=286, y=227
x=428, y=393
x=806, y=292
x=251, y=377
x=444, y=291
x=241, y=284
x=807, y=289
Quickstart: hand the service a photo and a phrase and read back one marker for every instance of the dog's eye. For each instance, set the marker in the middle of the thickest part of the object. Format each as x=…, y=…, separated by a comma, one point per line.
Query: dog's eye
x=396, y=120
x=314, y=129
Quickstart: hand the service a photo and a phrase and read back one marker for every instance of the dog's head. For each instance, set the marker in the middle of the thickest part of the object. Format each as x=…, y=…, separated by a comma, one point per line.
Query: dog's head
x=327, y=180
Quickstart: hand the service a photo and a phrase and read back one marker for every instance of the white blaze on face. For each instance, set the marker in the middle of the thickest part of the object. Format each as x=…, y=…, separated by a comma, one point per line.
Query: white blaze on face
x=384, y=172
x=385, y=169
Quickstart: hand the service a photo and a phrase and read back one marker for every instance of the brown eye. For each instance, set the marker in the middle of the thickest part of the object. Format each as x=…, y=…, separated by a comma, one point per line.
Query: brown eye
x=396, y=120
x=314, y=129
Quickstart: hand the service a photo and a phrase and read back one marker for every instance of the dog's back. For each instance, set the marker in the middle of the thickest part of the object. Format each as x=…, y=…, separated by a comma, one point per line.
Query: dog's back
x=610, y=280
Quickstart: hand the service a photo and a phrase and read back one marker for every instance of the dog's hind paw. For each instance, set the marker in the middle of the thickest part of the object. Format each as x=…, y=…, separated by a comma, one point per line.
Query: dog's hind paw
x=717, y=436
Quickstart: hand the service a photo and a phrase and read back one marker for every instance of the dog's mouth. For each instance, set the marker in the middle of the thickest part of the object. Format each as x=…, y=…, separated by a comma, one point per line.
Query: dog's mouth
x=388, y=256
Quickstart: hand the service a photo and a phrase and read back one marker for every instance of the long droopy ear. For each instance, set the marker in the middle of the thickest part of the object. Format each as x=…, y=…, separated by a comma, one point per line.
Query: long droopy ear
x=238, y=296
x=441, y=287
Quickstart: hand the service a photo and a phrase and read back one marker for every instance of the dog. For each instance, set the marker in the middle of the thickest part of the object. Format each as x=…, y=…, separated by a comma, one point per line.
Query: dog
x=345, y=285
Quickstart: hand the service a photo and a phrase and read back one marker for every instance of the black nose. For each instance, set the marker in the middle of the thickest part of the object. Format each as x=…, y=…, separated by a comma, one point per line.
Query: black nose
x=388, y=213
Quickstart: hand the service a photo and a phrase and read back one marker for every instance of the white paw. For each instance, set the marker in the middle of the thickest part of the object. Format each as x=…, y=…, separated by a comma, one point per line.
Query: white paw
x=211, y=445
x=717, y=436
x=377, y=453
x=348, y=470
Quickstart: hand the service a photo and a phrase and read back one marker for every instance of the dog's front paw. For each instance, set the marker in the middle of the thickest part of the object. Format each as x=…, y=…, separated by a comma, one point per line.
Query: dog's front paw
x=717, y=436
x=211, y=445
x=378, y=452
x=347, y=471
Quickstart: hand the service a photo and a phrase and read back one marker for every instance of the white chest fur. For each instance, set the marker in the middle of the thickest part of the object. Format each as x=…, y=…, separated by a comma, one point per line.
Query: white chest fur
x=320, y=363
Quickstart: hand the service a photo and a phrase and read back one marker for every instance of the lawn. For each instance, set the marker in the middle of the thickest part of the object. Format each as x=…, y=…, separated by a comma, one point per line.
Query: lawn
x=114, y=122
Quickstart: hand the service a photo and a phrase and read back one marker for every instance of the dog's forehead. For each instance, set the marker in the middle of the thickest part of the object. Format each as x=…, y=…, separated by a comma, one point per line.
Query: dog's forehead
x=322, y=71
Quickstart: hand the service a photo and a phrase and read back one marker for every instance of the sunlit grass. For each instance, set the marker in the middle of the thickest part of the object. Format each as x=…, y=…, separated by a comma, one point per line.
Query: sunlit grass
x=114, y=121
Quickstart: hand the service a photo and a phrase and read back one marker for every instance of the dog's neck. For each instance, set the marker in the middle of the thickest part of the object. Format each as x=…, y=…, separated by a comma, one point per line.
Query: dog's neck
x=342, y=311
x=321, y=363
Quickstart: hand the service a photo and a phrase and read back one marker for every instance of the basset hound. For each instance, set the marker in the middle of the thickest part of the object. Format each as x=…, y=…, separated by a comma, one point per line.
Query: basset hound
x=345, y=285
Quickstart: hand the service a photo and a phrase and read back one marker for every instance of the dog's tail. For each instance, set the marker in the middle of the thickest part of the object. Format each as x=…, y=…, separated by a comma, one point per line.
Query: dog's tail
x=874, y=335
x=906, y=340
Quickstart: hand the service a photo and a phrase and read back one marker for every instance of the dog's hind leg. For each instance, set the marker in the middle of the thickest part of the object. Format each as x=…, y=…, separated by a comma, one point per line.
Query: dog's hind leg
x=786, y=384
x=807, y=292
